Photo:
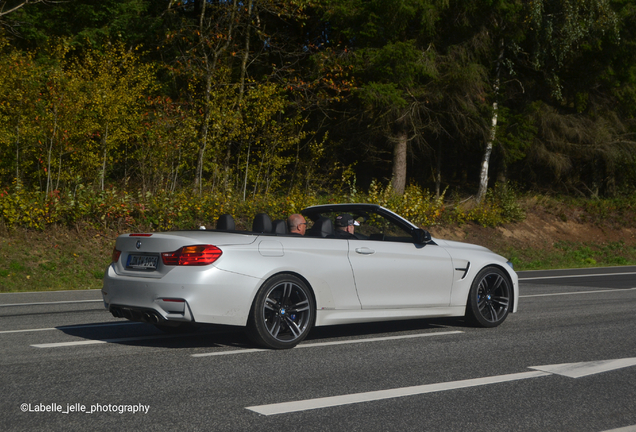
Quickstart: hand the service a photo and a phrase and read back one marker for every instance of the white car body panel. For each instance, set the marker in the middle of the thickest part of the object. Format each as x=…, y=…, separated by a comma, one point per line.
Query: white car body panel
x=422, y=273
x=478, y=257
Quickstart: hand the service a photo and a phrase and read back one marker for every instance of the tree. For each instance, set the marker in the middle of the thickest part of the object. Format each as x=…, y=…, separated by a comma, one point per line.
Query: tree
x=7, y=6
x=113, y=86
x=393, y=63
x=522, y=43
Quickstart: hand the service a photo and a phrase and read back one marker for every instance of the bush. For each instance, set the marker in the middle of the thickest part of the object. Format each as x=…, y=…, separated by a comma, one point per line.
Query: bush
x=123, y=211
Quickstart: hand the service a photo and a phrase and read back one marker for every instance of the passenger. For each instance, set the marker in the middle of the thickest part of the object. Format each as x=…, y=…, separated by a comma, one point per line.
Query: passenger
x=297, y=224
x=345, y=226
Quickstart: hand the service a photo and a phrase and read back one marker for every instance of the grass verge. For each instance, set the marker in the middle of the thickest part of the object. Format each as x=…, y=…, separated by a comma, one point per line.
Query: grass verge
x=57, y=259
x=64, y=259
x=572, y=255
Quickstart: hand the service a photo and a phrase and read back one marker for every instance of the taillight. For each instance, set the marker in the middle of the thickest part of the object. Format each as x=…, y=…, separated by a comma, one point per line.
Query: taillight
x=115, y=255
x=139, y=235
x=198, y=255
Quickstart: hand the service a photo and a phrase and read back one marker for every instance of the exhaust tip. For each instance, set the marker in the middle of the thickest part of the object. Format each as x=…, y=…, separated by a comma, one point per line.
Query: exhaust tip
x=151, y=318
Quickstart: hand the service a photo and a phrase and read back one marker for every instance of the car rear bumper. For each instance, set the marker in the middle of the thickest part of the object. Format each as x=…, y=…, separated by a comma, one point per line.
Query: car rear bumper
x=208, y=295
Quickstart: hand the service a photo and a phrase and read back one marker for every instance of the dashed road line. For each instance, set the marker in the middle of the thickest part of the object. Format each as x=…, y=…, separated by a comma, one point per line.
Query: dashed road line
x=322, y=344
x=576, y=276
x=51, y=303
x=577, y=292
x=102, y=341
x=71, y=327
x=348, y=399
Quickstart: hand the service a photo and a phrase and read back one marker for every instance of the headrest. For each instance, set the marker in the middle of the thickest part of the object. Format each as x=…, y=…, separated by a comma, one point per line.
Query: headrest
x=279, y=226
x=262, y=223
x=323, y=227
x=225, y=223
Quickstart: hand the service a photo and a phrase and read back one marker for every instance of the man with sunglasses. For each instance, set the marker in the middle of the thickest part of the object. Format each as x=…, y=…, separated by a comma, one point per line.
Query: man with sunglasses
x=297, y=224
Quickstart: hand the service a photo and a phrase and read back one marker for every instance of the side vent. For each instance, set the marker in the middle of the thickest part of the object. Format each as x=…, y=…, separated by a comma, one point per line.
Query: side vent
x=465, y=270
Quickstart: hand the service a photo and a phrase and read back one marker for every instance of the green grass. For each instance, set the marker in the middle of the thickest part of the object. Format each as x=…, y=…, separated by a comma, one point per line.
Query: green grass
x=573, y=255
x=62, y=259
x=57, y=259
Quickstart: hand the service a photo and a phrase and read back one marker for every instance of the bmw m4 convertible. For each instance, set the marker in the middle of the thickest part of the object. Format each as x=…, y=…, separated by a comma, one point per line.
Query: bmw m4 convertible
x=279, y=285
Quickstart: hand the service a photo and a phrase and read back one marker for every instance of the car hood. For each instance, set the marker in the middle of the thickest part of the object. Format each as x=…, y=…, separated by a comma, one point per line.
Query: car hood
x=450, y=244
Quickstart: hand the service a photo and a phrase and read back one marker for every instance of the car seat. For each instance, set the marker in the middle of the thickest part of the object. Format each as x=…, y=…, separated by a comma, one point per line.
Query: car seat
x=262, y=223
x=279, y=226
x=225, y=223
x=322, y=227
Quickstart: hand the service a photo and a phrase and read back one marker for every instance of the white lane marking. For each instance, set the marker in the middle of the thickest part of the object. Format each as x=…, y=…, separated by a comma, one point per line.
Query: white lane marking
x=320, y=344
x=101, y=341
x=69, y=327
x=309, y=404
x=378, y=339
x=577, y=276
x=583, y=369
x=75, y=291
x=577, y=292
x=51, y=303
x=65, y=344
x=572, y=370
x=238, y=351
x=624, y=429
x=27, y=330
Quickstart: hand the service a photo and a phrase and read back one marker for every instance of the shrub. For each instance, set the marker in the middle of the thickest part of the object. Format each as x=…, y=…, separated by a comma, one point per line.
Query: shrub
x=164, y=210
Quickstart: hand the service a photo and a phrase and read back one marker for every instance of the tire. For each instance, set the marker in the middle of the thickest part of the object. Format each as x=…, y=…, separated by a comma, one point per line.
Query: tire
x=490, y=298
x=283, y=313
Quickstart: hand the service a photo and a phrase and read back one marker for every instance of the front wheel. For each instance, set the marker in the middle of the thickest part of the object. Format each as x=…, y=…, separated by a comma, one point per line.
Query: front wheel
x=490, y=298
x=283, y=313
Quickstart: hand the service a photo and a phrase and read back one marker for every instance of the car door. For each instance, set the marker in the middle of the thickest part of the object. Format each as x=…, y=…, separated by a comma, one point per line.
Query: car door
x=394, y=272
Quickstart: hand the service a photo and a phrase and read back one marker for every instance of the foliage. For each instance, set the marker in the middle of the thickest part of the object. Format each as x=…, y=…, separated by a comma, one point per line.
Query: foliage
x=164, y=210
x=266, y=96
x=419, y=206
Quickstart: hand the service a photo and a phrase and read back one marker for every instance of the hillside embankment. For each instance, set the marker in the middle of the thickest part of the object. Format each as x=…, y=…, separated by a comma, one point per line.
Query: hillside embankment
x=565, y=237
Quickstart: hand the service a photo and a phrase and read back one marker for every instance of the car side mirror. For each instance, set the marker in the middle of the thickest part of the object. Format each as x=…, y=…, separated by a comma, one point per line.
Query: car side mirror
x=421, y=236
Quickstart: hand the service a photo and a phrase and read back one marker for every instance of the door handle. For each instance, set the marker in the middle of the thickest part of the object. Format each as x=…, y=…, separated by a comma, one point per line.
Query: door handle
x=365, y=251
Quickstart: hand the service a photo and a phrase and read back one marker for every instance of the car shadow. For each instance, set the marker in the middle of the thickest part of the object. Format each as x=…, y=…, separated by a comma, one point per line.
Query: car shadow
x=218, y=336
x=147, y=335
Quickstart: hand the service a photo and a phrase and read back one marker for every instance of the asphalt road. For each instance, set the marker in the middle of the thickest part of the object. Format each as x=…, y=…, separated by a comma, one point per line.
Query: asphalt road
x=62, y=356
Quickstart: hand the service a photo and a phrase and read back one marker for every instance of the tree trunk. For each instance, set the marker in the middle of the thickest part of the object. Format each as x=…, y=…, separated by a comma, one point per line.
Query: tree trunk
x=247, y=165
x=105, y=154
x=485, y=161
x=398, y=181
x=246, y=54
x=17, y=157
x=210, y=67
x=49, y=181
x=438, y=170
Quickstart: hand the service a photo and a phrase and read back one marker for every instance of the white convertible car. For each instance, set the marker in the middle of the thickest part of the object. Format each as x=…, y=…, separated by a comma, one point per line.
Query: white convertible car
x=279, y=285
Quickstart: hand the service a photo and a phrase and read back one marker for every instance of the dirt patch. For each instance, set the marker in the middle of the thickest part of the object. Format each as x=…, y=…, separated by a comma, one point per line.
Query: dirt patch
x=539, y=231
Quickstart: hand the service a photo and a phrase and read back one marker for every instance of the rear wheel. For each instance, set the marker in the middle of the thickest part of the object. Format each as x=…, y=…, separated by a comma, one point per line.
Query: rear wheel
x=490, y=298
x=283, y=313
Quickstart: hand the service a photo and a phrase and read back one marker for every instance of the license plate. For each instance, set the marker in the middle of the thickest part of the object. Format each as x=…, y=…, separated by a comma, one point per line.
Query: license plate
x=144, y=262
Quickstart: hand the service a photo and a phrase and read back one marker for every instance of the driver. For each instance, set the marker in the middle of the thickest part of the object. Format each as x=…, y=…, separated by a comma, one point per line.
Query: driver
x=345, y=226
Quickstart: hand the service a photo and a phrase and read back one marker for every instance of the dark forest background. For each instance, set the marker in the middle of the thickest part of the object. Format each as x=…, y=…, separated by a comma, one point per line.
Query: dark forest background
x=261, y=97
